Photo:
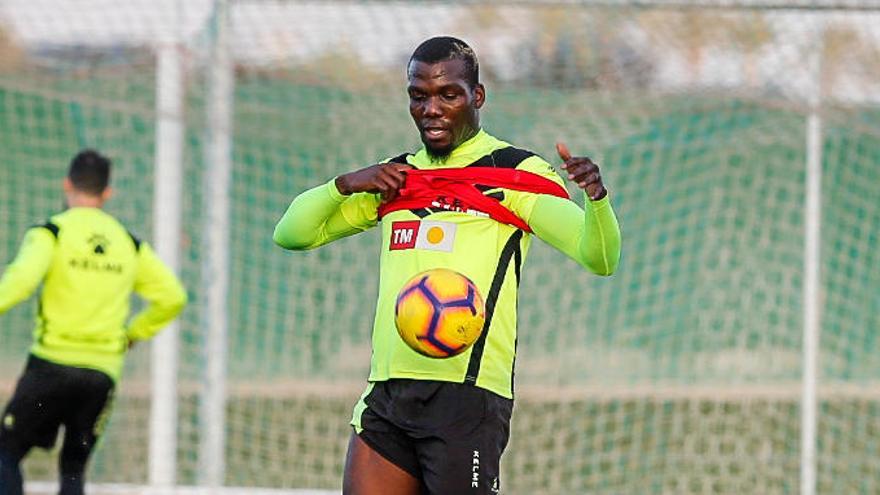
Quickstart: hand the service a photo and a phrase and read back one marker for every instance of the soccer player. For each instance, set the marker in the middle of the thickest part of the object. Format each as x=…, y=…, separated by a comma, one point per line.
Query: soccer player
x=89, y=265
x=439, y=426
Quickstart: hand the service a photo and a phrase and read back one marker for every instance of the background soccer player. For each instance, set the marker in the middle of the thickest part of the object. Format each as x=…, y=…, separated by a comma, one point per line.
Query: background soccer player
x=89, y=265
x=439, y=426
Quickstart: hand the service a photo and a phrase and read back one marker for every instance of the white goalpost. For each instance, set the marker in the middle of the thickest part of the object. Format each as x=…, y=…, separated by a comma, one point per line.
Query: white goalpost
x=215, y=275
x=167, y=215
x=812, y=271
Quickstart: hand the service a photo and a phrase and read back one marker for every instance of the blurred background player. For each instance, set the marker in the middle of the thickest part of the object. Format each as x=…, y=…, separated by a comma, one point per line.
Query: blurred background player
x=439, y=426
x=89, y=265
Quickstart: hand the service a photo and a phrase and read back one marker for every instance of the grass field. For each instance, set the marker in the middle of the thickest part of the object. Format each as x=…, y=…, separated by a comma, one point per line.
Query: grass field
x=610, y=446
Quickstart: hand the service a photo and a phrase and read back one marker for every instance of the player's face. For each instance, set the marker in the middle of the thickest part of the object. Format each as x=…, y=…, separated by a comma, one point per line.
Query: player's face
x=443, y=105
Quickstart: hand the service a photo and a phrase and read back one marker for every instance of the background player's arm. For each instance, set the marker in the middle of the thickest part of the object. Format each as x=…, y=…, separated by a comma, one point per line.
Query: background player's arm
x=24, y=274
x=342, y=207
x=162, y=290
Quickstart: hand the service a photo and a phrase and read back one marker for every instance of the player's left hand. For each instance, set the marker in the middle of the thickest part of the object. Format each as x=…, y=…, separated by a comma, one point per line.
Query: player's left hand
x=583, y=171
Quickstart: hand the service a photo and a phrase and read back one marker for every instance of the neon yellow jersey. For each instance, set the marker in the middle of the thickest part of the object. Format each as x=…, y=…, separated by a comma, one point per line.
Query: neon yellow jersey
x=488, y=252
x=89, y=266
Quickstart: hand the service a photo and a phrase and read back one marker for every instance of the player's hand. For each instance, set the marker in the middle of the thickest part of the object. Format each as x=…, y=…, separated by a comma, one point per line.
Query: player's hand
x=582, y=171
x=385, y=179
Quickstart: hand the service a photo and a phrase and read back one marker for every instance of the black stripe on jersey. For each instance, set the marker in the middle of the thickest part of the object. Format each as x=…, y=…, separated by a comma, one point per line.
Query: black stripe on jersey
x=422, y=212
x=509, y=157
x=499, y=195
x=513, y=364
x=511, y=250
x=42, y=321
x=400, y=158
x=484, y=161
x=517, y=262
x=136, y=241
x=517, y=266
x=51, y=227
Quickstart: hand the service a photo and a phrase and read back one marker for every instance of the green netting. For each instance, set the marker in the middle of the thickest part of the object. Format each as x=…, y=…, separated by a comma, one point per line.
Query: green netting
x=680, y=374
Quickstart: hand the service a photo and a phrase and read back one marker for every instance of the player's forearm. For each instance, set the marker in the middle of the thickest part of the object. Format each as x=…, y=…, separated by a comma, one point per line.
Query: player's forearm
x=313, y=219
x=163, y=308
x=24, y=274
x=17, y=284
x=157, y=284
x=591, y=236
x=600, y=246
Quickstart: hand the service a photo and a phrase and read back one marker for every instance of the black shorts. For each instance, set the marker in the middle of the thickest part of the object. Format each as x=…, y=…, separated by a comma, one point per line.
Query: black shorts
x=448, y=435
x=49, y=395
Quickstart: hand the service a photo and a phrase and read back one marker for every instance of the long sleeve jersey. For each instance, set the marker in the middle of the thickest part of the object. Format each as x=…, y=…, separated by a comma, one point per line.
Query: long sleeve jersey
x=488, y=252
x=89, y=265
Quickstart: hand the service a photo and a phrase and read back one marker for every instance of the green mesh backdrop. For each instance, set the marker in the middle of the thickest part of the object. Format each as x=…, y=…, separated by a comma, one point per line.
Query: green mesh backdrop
x=679, y=374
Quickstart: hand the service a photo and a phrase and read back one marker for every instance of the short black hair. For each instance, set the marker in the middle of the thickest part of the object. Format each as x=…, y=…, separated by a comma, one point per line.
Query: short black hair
x=442, y=48
x=89, y=172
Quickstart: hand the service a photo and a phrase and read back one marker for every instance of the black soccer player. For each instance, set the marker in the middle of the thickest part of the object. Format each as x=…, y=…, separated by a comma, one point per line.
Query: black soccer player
x=89, y=265
x=439, y=426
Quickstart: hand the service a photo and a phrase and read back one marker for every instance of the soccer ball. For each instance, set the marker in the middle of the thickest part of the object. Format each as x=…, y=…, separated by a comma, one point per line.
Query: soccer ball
x=439, y=313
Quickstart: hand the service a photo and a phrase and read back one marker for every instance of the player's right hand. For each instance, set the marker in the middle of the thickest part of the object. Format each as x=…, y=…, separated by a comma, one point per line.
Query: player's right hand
x=384, y=179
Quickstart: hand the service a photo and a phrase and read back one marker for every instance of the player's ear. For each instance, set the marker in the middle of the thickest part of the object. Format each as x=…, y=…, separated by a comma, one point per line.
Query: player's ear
x=68, y=185
x=107, y=193
x=479, y=95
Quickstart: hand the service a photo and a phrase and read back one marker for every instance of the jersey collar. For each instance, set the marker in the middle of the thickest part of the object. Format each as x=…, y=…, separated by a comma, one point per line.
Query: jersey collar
x=465, y=154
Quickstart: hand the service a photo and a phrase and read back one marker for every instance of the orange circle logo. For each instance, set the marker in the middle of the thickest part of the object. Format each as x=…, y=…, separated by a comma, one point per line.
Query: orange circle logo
x=435, y=235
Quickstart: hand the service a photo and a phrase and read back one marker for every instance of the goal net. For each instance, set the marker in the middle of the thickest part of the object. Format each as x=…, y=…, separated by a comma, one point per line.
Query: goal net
x=682, y=373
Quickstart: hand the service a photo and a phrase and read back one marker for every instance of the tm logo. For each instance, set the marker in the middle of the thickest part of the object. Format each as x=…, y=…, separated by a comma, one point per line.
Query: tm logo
x=404, y=234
